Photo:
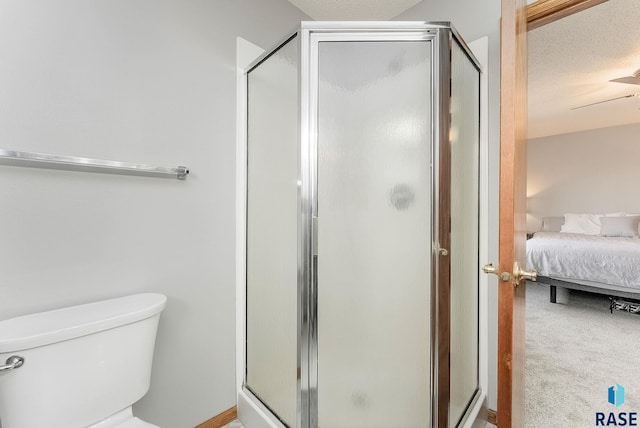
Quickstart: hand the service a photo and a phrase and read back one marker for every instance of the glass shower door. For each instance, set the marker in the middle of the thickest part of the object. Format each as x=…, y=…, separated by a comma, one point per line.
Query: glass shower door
x=465, y=268
x=272, y=241
x=362, y=229
x=374, y=219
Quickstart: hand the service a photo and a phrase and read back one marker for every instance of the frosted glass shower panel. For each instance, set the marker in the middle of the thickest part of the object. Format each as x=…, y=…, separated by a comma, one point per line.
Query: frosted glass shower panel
x=272, y=209
x=374, y=234
x=465, y=161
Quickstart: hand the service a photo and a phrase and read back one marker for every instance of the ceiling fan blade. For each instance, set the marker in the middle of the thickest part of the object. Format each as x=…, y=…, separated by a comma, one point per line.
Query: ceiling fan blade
x=605, y=101
x=631, y=80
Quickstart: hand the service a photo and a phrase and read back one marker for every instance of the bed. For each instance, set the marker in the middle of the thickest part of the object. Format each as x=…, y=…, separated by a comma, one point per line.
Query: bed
x=600, y=255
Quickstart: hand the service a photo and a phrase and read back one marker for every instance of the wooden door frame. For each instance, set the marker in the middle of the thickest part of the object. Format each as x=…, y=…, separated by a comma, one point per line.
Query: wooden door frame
x=512, y=233
x=516, y=20
x=545, y=12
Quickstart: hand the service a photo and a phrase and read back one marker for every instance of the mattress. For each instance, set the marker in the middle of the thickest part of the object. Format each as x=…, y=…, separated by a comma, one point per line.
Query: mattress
x=606, y=261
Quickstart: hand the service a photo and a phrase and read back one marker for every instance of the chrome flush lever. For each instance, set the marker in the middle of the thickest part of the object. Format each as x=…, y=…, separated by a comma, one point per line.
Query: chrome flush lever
x=12, y=362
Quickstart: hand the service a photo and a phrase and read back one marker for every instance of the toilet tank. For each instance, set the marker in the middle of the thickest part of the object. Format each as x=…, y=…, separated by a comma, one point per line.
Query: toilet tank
x=81, y=365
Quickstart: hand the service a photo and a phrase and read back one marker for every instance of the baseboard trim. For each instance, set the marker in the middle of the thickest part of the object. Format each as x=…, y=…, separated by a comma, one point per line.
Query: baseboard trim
x=492, y=417
x=222, y=419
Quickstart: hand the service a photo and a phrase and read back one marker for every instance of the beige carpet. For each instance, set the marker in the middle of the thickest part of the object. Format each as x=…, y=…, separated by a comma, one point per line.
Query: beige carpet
x=576, y=350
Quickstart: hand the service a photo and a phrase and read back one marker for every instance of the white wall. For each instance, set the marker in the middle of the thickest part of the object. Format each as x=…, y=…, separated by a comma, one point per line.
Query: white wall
x=475, y=19
x=583, y=172
x=141, y=81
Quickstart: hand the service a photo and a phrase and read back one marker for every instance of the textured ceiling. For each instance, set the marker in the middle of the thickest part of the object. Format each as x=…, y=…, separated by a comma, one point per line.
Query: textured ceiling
x=353, y=10
x=571, y=62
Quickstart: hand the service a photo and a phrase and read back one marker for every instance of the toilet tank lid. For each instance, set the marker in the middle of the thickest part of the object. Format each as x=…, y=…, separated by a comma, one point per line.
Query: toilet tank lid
x=31, y=331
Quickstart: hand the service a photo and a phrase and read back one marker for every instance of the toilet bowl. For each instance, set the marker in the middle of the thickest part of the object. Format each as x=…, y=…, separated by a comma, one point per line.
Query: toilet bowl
x=79, y=367
x=123, y=419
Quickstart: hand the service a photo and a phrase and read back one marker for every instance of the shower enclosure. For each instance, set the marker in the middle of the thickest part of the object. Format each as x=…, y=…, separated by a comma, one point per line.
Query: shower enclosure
x=361, y=274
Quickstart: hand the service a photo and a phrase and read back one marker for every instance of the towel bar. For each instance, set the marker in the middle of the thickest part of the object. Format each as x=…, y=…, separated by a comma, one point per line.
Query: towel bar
x=43, y=160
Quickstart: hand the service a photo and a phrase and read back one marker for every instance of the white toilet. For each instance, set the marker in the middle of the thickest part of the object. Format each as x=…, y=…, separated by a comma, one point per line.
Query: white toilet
x=81, y=366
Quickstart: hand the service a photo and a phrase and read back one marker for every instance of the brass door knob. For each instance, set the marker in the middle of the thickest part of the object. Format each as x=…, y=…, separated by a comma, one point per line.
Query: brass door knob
x=519, y=273
x=495, y=270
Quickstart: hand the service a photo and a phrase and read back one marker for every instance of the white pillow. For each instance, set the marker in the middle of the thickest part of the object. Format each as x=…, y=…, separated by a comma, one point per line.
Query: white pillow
x=586, y=224
x=620, y=226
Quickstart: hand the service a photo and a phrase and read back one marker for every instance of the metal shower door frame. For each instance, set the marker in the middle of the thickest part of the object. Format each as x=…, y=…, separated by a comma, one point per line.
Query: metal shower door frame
x=311, y=35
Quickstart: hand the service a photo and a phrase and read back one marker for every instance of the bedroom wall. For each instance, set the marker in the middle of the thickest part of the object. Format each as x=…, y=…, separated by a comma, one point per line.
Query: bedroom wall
x=584, y=172
x=150, y=81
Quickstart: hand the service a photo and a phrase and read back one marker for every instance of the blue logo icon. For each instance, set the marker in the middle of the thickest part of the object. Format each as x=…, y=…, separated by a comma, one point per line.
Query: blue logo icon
x=616, y=395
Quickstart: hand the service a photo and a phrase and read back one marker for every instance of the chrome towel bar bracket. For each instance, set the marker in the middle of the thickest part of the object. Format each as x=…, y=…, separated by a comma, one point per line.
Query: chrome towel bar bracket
x=44, y=160
x=12, y=362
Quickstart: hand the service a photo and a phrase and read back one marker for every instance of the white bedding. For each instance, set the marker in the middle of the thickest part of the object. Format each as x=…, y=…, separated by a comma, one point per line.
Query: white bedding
x=571, y=256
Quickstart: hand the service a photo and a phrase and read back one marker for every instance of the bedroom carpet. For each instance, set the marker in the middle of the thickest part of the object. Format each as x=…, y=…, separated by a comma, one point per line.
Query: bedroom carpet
x=575, y=351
